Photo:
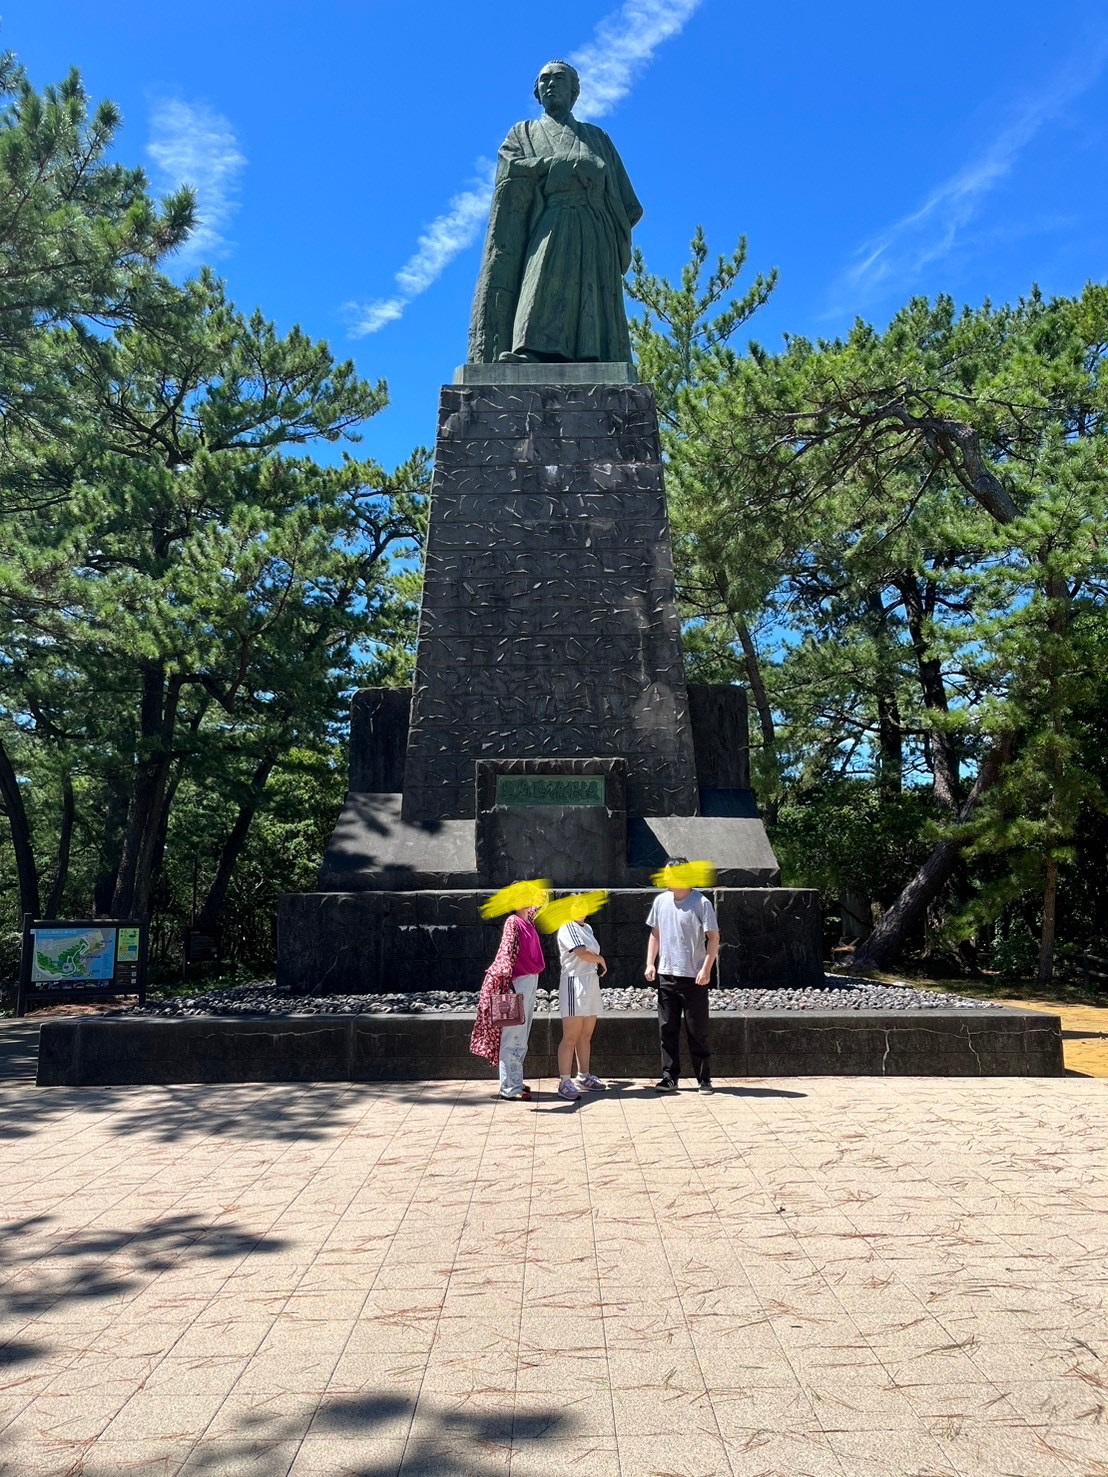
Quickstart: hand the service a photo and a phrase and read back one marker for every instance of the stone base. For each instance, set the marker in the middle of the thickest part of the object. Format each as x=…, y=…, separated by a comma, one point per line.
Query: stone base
x=373, y=942
x=546, y=374
x=373, y=848
x=912, y=1043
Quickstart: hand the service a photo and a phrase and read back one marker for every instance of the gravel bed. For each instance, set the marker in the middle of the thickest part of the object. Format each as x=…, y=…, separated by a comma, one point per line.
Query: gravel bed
x=838, y=992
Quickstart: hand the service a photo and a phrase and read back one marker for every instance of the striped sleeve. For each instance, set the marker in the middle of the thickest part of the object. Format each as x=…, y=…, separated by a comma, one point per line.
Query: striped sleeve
x=576, y=937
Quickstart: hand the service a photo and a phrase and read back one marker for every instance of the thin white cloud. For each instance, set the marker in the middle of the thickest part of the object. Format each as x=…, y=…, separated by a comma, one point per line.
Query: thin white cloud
x=622, y=45
x=447, y=234
x=192, y=145
x=369, y=317
x=896, y=257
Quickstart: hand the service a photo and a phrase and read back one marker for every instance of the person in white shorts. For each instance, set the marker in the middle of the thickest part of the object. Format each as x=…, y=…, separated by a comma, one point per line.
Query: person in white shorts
x=580, y=1003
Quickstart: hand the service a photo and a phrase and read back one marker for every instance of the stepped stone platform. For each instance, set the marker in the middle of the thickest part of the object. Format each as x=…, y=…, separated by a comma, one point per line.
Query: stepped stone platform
x=936, y=1042
x=550, y=732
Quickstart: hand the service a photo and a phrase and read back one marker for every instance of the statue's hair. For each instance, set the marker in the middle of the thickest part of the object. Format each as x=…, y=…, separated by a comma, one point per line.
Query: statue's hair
x=572, y=70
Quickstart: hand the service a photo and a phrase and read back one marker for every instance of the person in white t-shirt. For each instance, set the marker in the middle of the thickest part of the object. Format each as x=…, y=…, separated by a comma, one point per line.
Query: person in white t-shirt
x=579, y=1000
x=680, y=953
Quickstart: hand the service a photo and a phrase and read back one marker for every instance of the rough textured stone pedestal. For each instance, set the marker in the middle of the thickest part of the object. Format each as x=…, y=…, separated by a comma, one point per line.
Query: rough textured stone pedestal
x=549, y=731
x=374, y=942
x=548, y=627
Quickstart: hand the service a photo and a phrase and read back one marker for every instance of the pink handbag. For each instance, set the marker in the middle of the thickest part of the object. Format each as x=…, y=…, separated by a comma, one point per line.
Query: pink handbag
x=507, y=1008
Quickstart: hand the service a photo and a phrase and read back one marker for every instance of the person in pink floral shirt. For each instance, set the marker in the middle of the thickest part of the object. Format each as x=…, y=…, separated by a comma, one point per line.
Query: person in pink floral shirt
x=519, y=962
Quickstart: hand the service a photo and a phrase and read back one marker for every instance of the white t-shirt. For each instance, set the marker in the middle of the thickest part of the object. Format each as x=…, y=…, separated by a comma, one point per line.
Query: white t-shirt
x=576, y=936
x=682, y=947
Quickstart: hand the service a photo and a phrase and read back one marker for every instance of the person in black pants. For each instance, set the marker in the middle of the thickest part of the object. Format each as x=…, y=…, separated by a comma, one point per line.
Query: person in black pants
x=680, y=954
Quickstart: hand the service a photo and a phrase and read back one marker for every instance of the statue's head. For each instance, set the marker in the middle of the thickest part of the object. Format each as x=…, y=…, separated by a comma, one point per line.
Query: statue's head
x=557, y=87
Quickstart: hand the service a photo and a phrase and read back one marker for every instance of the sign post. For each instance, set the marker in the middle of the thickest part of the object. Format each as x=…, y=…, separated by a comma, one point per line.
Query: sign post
x=81, y=959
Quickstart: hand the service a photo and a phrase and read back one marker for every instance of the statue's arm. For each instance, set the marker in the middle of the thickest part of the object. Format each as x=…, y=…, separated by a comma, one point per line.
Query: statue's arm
x=517, y=161
x=533, y=168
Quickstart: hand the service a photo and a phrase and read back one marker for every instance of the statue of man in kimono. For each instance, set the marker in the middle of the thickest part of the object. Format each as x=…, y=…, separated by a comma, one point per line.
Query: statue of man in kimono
x=559, y=240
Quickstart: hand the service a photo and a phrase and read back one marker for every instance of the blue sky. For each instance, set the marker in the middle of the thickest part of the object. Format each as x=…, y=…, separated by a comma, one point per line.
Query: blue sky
x=868, y=151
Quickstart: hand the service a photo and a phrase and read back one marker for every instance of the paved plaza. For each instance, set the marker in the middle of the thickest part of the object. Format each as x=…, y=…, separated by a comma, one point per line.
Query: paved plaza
x=801, y=1277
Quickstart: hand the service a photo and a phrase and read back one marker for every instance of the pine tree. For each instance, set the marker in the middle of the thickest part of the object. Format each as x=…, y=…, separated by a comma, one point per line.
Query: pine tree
x=187, y=593
x=871, y=502
x=78, y=235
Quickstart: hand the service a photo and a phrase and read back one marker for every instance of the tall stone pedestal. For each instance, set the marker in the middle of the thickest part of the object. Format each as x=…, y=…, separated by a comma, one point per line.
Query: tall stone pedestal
x=549, y=731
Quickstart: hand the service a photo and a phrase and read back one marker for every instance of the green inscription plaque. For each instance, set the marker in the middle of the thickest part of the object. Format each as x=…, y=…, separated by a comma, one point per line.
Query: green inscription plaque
x=550, y=789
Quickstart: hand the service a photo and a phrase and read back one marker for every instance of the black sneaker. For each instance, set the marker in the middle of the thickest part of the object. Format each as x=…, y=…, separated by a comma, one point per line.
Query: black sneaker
x=667, y=1084
x=705, y=1086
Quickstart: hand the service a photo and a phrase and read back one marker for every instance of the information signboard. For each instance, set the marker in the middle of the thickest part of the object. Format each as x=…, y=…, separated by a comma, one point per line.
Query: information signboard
x=201, y=946
x=81, y=958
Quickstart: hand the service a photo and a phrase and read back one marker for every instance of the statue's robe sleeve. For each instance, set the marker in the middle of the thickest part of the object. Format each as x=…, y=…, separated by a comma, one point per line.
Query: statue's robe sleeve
x=622, y=201
x=515, y=202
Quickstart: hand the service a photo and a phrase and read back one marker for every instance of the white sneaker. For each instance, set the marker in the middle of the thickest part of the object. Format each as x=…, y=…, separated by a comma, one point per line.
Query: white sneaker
x=567, y=1090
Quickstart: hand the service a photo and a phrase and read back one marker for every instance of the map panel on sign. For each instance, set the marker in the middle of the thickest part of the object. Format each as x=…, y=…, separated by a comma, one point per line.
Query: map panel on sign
x=66, y=956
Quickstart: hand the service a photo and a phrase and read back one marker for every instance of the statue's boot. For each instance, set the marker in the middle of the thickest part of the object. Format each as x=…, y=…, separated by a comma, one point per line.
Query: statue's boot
x=510, y=357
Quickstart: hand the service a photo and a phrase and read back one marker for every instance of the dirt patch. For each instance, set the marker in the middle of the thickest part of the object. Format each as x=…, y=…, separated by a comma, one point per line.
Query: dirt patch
x=78, y=1007
x=1084, y=1034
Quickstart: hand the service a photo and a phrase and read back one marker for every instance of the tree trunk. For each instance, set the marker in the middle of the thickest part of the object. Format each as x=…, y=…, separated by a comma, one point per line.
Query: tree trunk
x=890, y=745
x=764, y=710
x=115, y=821
x=65, y=840
x=1045, y=971
x=162, y=833
x=208, y=917
x=1058, y=625
x=890, y=734
x=942, y=751
x=887, y=939
x=22, y=843
x=177, y=770
x=145, y=812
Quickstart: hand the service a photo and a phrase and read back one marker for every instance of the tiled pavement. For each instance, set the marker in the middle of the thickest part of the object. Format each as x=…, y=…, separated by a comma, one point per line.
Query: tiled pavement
x=857, y=1277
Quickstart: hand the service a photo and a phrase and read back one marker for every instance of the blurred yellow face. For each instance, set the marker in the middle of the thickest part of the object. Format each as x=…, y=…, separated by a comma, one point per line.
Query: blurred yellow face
x=682, y=878
x=573, y=909
x=516, y=898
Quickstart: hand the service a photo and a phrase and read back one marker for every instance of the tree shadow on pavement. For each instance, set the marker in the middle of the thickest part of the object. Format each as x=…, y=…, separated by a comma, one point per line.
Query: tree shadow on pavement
x=283, y=1112
x=18, y=1051
x=451, y=1441
x=44, y=1272
x=267, y=1111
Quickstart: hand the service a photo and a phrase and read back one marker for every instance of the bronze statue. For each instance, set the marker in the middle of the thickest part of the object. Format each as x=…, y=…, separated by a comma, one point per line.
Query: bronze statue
x=559, y=240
